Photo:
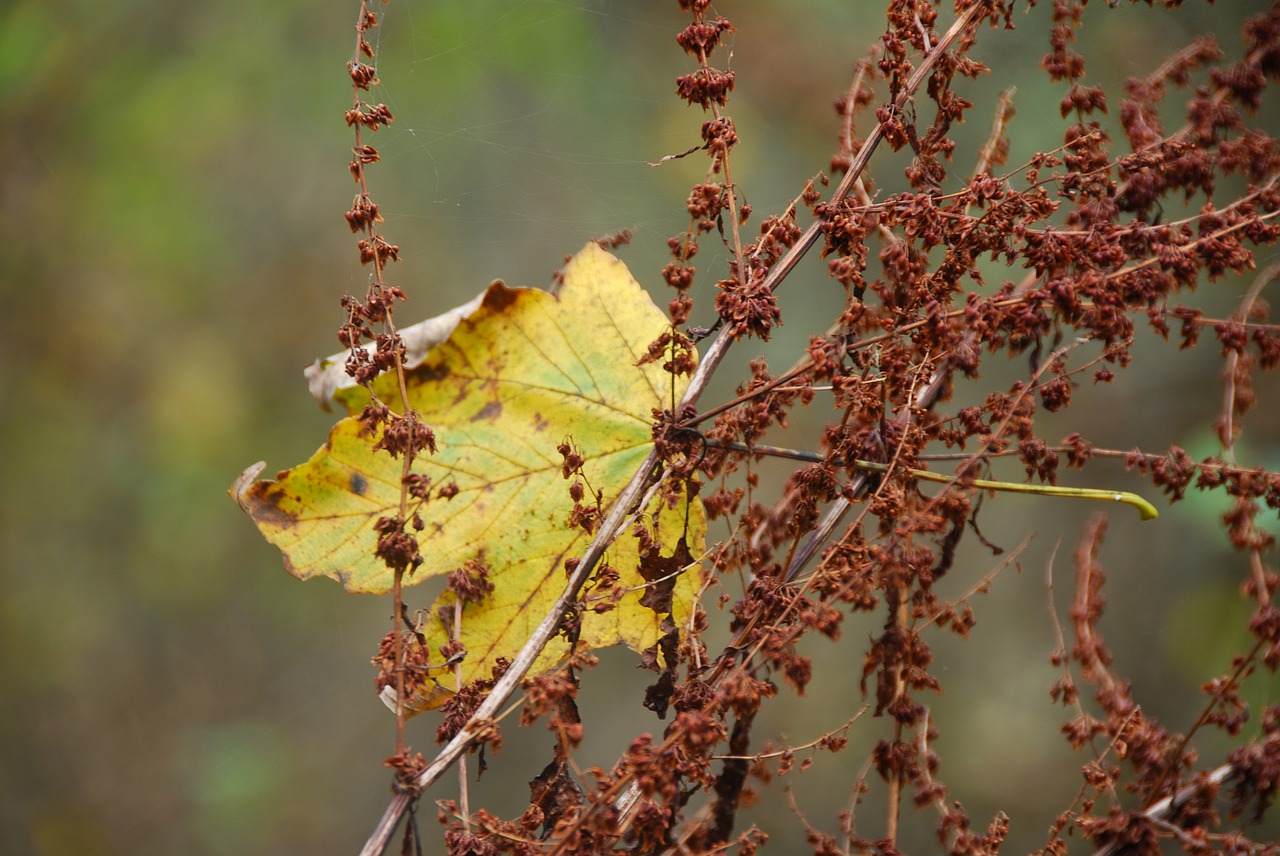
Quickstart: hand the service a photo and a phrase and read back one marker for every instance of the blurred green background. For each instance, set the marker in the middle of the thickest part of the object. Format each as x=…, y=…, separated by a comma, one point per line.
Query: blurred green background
x=172, y=183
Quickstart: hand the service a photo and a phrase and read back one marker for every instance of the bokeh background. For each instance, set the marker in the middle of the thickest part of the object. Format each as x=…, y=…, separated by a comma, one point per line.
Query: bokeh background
x=172, y=183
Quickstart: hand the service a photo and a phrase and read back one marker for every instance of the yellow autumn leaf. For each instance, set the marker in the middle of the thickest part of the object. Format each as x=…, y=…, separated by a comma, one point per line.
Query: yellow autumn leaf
x=526, y=371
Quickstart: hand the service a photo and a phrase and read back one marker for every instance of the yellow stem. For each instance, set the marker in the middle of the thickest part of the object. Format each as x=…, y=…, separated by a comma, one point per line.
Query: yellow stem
x=1145, y=509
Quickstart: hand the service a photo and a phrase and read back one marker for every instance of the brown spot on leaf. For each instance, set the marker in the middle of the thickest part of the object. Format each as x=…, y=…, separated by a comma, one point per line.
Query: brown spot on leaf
x=359, y=484
x=499, y=297
x=431, y=372
x=488, y=413
x=263, y=504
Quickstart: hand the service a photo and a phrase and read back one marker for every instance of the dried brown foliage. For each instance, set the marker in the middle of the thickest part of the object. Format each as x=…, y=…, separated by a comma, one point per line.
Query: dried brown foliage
x=1093, y=253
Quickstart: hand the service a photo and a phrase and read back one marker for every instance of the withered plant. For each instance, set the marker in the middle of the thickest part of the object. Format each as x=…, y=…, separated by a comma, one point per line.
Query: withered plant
x=1113, y=229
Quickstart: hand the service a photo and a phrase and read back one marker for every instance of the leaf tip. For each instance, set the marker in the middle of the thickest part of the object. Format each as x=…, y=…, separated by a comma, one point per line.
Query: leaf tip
x=419, y=701
x=240, y=487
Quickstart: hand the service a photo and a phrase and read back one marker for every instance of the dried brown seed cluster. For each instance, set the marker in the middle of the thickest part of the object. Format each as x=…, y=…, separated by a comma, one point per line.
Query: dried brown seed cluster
x=1114, y=228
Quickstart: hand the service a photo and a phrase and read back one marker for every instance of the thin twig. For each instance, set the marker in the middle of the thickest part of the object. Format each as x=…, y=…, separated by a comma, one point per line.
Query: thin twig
x=1233, y=359
x=1162, y=808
